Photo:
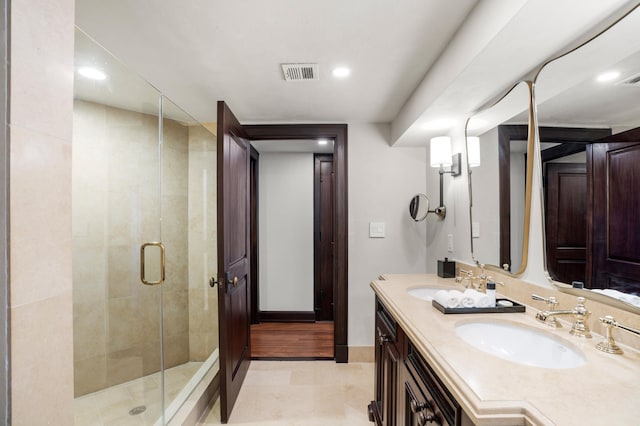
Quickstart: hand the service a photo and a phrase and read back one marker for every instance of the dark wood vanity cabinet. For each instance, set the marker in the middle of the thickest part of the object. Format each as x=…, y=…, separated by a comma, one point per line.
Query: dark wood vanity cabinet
x=383, y=409
x=407, y=390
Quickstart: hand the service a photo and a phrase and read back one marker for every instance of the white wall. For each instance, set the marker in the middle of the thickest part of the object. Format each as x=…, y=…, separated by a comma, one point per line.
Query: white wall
x=486, y=200
x=382, y=181
x=517, y=186
x=456, y=200
x=286, y=231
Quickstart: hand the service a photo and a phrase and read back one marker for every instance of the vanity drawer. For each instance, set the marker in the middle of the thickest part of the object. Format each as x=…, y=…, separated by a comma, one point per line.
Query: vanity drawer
x=438, y=400
x=385, y=324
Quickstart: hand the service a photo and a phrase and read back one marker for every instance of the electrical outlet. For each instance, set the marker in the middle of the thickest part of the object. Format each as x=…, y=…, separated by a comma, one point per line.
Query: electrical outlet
x=450, y=243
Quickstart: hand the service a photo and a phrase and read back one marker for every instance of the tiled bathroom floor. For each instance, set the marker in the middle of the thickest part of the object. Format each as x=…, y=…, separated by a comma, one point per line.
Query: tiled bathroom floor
x=304, y=393
x=111, y=406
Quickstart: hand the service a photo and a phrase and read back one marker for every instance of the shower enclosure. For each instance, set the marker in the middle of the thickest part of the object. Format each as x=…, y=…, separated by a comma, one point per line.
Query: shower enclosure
x=144, y=247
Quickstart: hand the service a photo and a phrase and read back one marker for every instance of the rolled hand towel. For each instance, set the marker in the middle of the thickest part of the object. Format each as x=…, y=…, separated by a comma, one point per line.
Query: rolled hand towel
x=448, y=299
x=480, y=300
x=468, y=300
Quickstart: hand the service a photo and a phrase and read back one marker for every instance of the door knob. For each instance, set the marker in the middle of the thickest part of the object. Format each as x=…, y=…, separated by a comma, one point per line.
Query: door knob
x=212, y=281
x=235, y=281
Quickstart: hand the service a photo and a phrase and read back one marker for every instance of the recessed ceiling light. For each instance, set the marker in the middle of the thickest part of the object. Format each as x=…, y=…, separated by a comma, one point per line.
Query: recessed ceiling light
x=322, y=141
x=92, y=73
x=341, y=72
x=608, y=76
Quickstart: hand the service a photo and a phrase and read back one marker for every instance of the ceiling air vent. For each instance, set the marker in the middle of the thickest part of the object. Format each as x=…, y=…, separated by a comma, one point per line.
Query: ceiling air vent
x=631, y=81
x=300, y=72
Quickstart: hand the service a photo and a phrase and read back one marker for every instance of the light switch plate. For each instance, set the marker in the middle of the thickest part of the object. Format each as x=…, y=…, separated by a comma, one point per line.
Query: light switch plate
x=475, y=229
x=450, y=243
x=376, y=229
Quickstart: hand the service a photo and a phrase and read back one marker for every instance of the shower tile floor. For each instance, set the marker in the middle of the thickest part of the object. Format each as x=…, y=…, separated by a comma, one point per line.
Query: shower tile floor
x=301, y=393
x=111, y=406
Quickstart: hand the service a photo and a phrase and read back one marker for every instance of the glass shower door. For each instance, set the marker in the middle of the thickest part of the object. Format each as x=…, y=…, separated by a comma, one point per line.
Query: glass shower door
x=188, y=207
x=116, y=210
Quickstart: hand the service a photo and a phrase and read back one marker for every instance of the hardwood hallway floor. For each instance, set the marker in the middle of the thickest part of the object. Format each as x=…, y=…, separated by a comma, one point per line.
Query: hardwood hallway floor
x=292, y=340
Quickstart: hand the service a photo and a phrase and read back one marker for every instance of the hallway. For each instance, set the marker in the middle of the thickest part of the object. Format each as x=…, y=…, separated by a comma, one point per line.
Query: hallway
x=292, y=340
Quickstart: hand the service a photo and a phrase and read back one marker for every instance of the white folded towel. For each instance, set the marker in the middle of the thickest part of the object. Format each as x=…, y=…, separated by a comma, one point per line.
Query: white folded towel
x=479, y=300
x=628, y=298
x=448, y=299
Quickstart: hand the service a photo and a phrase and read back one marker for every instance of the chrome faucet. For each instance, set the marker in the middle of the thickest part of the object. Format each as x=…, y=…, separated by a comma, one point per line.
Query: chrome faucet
x=478, y=282
x=608, y=345
x=580, y=314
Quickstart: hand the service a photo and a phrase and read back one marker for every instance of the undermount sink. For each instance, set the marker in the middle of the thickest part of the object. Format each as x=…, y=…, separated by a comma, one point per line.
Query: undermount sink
x=424, y=293
x=520, y=344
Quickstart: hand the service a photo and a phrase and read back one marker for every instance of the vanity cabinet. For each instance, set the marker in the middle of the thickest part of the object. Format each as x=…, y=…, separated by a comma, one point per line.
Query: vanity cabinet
x=407, y=390
x=383, y=409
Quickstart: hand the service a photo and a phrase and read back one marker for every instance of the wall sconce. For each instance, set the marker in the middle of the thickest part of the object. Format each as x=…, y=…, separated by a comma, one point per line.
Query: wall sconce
x=441, y=157
x=473, y=151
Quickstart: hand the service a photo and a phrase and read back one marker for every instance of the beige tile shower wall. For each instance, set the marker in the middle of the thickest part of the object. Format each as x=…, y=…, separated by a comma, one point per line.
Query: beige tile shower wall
x=203, y=262
x=115, y=208
x=175, y=197
x=40, y=122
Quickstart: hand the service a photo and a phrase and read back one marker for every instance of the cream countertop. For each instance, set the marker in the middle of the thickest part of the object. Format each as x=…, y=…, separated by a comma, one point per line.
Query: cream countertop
x=493, y=391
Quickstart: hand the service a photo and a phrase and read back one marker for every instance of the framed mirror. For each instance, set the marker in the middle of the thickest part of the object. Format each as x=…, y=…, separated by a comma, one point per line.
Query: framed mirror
x=588, y=112
x=499, y=141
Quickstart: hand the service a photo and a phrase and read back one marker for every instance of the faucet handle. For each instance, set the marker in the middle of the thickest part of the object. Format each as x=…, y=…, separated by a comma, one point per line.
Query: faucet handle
x=581, y=313
x=609, y=345
x=465, y=272
x=551, y=302
x=482, y=273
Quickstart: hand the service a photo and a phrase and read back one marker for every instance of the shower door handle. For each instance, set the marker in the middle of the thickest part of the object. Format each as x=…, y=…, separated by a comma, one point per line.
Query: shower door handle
x=143, y=276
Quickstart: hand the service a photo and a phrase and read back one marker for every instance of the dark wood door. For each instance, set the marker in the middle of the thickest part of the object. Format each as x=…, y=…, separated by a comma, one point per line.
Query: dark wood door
x=324, y=214
x=614, y=255
x=233, y=257
x=566, y=220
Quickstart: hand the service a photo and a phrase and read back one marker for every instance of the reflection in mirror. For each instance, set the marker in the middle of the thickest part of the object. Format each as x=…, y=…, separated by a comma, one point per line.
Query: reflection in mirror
x=498, y=140
x=419, y=207
x=588, y=113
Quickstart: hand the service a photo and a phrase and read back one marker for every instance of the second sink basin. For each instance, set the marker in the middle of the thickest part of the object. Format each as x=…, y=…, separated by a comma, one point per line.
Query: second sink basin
x=520, y=344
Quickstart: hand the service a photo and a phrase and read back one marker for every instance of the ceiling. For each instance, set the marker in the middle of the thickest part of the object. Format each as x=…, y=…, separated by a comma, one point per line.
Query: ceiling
x=421, y=65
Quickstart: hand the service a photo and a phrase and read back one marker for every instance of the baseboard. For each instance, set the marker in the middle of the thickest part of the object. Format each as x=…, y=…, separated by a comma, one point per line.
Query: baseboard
x=287, y=316
x=361, y=354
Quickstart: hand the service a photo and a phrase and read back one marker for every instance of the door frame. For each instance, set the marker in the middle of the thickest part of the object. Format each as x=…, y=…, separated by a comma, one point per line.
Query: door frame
x=254, y=197
x=337, y=132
